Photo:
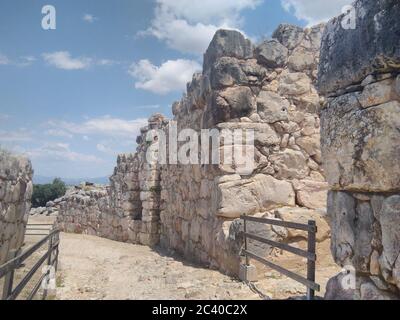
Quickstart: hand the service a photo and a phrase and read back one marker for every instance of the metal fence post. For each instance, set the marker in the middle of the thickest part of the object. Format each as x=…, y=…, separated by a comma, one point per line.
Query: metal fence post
x=9, y=278
x=311, y=263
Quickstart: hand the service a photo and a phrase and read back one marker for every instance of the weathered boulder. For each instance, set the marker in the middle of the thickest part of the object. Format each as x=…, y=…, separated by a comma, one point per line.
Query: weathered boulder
x=340, y=287
x=248, y=196
x=303, y=215
x=310, y=193
x=272, y=107
x=227, y=43
x=15, y=201
x=272, y=54
x=301, y=59
x=359, y=145
x=349, y=55
x=297, y=83
x=239, y=100
x=290, y=164
x=227, y=72
x=289, y=35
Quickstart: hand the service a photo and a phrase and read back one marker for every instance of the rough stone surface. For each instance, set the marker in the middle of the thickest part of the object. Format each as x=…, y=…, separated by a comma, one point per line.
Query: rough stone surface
x=15, y=201
x=360, y=146
x=127, y=210
x=194, y=209
x=272, y=54
x=227, y=43
x=348, y=56
x=258, y=91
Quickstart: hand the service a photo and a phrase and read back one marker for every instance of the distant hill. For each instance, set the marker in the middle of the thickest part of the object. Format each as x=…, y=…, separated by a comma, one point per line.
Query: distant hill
x=70, y=181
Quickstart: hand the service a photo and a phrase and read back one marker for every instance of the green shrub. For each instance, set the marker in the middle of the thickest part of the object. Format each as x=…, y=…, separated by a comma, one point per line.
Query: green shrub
x=43, y=193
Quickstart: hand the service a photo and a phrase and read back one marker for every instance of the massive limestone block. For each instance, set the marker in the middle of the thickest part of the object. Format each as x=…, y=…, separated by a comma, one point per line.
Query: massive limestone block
x=389, y=219
x=292, y=84
x=302, y=59
x=290, y=36
x=272, y=107
x=360, y=145
x=272, y=54
x=349, y=55
x=15, y=201
x=226, y=72
x=239, y=101
x=303, y=215
x=248, y=196
x=290, y=164
x=227, y=43
x=310, y=193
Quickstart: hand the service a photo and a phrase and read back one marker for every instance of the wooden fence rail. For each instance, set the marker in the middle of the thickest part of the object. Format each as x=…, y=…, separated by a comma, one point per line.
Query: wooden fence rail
x=310, y=254
x=16, y=258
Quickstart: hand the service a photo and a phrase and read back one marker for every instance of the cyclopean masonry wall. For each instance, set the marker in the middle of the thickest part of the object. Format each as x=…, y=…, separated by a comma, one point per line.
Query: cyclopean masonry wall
x=127, y=210
x=270, y=89
x=194, y=209
x=15, y=201
x=359, y=73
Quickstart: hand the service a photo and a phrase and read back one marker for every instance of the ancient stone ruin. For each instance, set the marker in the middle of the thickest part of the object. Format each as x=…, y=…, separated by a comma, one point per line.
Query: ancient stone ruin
x=15, y=201
x=360, y=123
x=194, y=209
x=128, y=209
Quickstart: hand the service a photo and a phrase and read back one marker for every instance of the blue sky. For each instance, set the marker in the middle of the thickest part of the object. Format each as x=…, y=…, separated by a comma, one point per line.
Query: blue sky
x=75, y=97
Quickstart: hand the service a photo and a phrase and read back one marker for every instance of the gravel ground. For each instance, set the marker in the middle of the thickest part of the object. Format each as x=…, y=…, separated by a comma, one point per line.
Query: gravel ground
x=97, y=268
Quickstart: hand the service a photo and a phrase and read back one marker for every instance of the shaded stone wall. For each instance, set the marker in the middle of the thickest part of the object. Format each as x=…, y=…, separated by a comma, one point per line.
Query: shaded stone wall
x=359, y=75
x=271, y=89
x=15, y=201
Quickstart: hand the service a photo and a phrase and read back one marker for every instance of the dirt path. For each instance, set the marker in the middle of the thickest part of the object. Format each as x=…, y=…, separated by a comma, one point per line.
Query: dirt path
x=97, y=268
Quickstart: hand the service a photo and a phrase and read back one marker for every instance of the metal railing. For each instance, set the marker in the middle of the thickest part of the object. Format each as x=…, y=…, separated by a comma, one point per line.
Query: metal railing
x=16, y=259
x=310, y=254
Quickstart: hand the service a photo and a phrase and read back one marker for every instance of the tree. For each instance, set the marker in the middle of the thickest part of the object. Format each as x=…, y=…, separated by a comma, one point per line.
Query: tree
x=43, y=193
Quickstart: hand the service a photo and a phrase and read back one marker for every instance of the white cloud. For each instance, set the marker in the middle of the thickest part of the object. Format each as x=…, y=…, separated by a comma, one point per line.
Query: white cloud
x=148, y=106
x=60, y=152
x=25, y=61
x=13, y=136
x=89, y=18
x=106, y=62
x=63, y=60
x=172, y=75
x=188, y=26
x=58, y=133
x=103, y=126
x=4, y=60
x=104, y=148
x=4, y=117
x=313, y=11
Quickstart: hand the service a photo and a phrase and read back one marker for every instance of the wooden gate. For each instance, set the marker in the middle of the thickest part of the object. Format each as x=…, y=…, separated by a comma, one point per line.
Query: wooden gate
x=310, y=254
x=15, y=260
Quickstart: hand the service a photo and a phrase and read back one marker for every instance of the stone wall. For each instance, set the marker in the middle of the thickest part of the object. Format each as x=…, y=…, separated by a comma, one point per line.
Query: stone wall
x=359, y=75
x=194, y=209
x=127, y=210
x=270, y=89
x=15, y=201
